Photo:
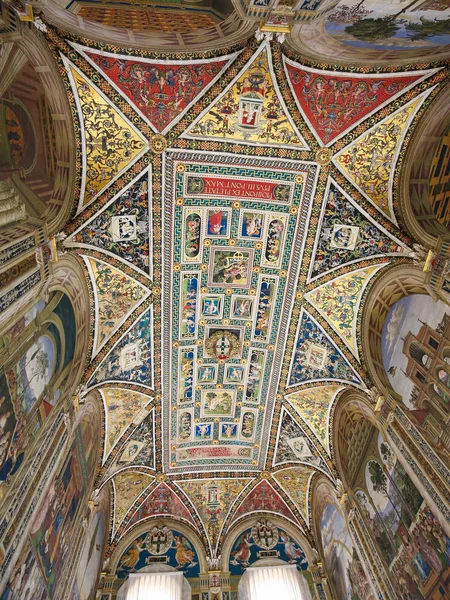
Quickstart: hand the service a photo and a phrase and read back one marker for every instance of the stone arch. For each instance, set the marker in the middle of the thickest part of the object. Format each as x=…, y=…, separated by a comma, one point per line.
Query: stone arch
x=68, y=277
x=415, y=210
x=325, y=501
x=392, y=285
x=233, y=30
x=353, y=420
x=28, y=50
x=144, y=527
x=323, y=493
x=248, y=521
x=313, y=41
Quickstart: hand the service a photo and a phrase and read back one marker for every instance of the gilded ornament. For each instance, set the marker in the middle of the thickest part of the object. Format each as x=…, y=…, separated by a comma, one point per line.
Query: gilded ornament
x=158, y=143
x=324, y=155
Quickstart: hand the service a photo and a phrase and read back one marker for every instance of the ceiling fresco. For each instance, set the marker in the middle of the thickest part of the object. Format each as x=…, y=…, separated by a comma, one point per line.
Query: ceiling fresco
x=234, y=211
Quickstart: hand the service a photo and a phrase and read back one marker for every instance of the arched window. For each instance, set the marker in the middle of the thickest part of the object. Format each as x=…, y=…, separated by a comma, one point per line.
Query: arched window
x=440, y=392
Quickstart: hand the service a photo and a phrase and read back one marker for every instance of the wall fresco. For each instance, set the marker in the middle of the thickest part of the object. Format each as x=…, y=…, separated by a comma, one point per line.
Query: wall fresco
x=262, y=537
x=405, y=531
x=53, y=527
x=160, y=541
x=410, y=316
x=344, y=567
x=90, y=561
x=26, y=580
x=390, y=26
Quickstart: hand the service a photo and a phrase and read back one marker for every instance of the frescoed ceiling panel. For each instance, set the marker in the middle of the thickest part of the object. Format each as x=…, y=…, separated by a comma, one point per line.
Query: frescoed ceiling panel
x=161, y=91
x=230, y=234
x=382, y=145
x=111, y=143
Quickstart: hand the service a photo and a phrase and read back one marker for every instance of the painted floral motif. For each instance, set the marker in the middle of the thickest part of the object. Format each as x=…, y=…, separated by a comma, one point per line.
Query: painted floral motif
x=117, y=295
x=128, y=485
x=346, y=235
x=338, y=302
x=111, y=143
x=313, y=405
x=369, y=161
x=161, y=91
x=131, y=359
x=295, y=483
x=263, y=497
x=122, y=227
x=250, y=110
x=316, y=356
x=333, y=103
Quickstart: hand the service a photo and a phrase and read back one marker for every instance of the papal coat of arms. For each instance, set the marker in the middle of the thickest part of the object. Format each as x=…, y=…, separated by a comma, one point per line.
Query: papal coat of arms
x=265, y=535
x=159, y=540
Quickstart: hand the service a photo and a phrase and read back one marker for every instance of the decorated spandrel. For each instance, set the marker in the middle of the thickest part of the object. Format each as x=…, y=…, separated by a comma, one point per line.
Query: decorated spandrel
x=116, y=296
x=229, y=289
x=347, y=234
x=369, y=162
x=128, y=486
x=250, y=110
x=130, y=359
x=111, y=143
x=161, y=91
x=314, y=406
x=295, y=482
x=122, y=227
x=161, y=501
x=338, y=302
x=316, y=357
x=294, y=445
x=334, y=102
x=213, y=499
x=263, y=497
x=138, y=447
x=122, y=407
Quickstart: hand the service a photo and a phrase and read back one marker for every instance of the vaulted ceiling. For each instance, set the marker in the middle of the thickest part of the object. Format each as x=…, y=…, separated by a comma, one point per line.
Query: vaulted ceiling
x=233, y=212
